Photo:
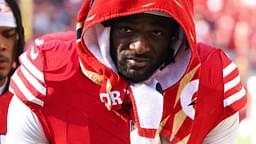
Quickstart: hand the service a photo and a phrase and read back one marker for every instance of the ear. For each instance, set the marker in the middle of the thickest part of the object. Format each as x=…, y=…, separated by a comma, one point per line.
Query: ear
x=176, y=42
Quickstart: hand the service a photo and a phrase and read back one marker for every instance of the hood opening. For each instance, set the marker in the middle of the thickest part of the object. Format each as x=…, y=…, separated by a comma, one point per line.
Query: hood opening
x=97, y=39
x=93, y=23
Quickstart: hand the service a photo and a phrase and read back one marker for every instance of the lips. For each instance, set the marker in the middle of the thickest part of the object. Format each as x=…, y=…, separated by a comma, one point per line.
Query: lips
x=3, y=61
x=138, y=62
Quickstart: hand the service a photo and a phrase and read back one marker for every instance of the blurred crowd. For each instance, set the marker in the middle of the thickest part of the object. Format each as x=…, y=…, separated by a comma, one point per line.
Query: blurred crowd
x=54, y=15
x=229, y=24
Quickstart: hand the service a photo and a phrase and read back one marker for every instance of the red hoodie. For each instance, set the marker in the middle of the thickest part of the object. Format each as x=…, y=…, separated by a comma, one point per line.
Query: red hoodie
x=61, y=80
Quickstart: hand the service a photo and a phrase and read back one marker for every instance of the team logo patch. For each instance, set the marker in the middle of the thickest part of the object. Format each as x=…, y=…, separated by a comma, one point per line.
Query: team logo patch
x=187, y=100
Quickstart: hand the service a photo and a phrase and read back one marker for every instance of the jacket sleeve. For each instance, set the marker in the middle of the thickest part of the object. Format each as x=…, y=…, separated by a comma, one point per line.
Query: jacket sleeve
x=234, y=93
x=28, y=81
x=49, y=58
x=225, y=132
x=23, y=125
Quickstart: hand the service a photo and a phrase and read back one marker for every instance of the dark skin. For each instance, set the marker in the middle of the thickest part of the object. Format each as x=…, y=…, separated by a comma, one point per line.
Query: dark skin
x=140, y=44
x=7, y=49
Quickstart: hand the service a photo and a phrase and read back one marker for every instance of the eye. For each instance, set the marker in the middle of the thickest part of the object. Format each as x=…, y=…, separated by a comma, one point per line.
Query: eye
x=9, y=34
x=158, y=33
x=125, y=29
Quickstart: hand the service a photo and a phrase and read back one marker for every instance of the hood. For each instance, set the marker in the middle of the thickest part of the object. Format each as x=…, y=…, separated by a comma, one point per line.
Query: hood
x=96, y=63
x=94, y=34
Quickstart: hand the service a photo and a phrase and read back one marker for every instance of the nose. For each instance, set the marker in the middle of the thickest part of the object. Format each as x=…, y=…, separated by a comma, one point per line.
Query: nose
x=3, y=45
x=140, y=45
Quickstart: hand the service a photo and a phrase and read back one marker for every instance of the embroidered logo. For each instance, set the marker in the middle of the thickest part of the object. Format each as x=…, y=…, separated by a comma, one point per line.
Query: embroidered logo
x=187, y=101
x=34, y=53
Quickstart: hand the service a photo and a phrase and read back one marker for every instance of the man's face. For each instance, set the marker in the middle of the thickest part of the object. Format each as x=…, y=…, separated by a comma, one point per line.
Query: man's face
x=7, y=46
x=140, y=44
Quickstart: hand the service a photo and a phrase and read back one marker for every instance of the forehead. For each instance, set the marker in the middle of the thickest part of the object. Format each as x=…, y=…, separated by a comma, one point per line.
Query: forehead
x=5, y=28
x=158, y=21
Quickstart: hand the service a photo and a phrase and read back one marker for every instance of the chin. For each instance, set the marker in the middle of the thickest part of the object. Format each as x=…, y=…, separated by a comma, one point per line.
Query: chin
x=134, y=77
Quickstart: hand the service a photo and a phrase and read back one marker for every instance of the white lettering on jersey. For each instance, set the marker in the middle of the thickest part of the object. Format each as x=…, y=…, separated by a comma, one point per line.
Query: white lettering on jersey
x=113, y=98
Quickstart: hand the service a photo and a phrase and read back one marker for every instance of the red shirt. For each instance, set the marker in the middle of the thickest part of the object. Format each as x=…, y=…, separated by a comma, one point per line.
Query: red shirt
x=4, y=103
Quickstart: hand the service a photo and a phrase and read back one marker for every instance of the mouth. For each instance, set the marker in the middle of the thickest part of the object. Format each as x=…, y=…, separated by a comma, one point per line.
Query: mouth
x=138, y=62
x=3, y=61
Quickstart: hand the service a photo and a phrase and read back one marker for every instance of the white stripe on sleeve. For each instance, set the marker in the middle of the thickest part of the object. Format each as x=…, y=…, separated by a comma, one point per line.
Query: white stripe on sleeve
x=28, y=64
x=235, y=97
x=33, y=81
x=30, y=97
x=234, y=82
x=228, y=69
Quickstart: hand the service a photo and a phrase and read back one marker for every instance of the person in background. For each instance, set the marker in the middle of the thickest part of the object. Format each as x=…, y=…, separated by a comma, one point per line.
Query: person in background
x=11, y=46
x=135, y=74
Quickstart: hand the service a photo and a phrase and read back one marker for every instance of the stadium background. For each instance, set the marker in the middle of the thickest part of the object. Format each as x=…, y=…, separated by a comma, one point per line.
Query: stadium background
x=227, y=24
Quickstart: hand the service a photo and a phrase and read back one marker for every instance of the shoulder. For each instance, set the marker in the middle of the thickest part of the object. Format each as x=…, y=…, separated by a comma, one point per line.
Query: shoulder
x=50, y=58
x=215, y=65
x=220, y=74
x=53, y=54
x=206, y=53
x=27, y=129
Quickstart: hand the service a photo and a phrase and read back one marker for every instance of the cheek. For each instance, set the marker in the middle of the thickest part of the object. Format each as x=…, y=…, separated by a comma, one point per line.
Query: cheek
x=161, y=48
x=11, y=49
x=118, y=48
x=163, y=53
x=11, y=43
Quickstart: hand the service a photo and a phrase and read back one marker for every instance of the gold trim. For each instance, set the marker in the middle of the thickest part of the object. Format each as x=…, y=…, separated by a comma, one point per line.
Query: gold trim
x=108, y=86
x=185, y=140
x=162, y=124
x=96, y=78
x=179, y=119
x=184, y=81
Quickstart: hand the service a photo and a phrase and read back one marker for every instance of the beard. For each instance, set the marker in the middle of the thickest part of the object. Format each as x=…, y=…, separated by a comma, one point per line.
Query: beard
x=136, y=74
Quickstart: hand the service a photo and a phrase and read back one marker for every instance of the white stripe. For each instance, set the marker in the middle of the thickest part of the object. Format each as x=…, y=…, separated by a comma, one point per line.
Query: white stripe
x=147, y=5
x=2, y=139
x=237, y=96
x=90, y=18
x=232, y=83
x=228, y=69
x=78, y=40
x=30, y=97
x=79, y=25
x=27, y=63
x=178, y=3
x=33, y=81
x=11, y=90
